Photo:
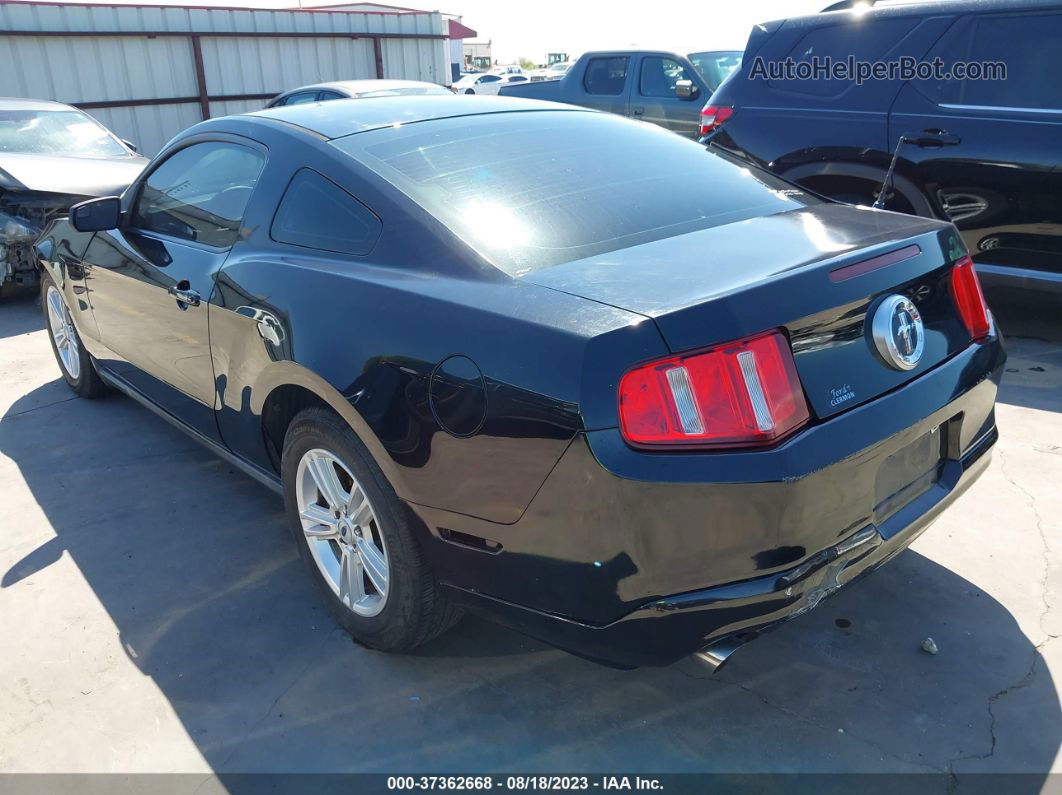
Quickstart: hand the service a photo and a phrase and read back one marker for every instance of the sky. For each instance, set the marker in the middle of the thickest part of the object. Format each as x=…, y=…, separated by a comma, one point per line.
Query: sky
x=531, y=28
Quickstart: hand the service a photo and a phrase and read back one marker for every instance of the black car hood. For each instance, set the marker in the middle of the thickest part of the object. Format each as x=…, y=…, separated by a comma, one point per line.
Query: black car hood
x=76, y=176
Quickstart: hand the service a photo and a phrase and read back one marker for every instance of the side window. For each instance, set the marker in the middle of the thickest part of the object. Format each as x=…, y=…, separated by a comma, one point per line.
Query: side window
x=659, y=76
x=866, y=40
x=1029, y=45
x=327, y=95
x=316, y=213
x=199, y=193
x=488, y=79
x=302, y=98
x=606, y=75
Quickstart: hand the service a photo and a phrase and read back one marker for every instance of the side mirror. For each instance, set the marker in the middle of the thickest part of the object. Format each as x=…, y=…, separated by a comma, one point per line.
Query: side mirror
x=685, y=89
x=130, y=144
x=96, y=215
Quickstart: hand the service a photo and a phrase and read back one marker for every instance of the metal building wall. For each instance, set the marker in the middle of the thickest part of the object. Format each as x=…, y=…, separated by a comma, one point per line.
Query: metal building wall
x=205, y=61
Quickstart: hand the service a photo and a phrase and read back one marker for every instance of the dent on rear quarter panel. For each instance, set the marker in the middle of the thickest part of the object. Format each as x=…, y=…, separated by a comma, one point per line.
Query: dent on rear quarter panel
x=376, y=337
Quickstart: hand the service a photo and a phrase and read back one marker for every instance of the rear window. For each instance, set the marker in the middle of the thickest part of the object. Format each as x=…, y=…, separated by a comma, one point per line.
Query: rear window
x=533, y=189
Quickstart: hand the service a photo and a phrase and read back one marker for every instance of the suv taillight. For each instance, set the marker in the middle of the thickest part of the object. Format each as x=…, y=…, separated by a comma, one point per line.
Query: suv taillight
x=744, y=393
x=970, y=301
x=713, y=116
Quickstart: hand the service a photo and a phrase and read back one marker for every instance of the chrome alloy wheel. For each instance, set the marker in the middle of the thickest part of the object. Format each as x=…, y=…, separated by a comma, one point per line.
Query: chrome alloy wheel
x=62, y=328
x=342, y=532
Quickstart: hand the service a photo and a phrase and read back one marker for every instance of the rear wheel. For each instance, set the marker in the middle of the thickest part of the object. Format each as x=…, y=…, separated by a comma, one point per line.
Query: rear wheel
x=357, y=538
x=75, y=363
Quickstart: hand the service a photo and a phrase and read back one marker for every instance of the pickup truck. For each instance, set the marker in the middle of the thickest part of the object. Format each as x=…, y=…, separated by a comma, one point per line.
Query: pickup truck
x=659, y=87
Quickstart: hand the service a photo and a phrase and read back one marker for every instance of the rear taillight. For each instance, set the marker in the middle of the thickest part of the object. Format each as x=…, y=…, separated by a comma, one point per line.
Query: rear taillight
x=713, y=116
x=970, y=301
x=740, y=394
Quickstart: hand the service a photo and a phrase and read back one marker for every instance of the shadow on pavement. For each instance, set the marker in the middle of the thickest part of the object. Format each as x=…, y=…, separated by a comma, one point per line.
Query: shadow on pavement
x=195, y=566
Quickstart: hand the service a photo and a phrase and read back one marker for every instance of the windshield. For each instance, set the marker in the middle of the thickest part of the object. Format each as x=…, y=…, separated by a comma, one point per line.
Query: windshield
x=56, y=132
x=715, y=66
x=532, y=189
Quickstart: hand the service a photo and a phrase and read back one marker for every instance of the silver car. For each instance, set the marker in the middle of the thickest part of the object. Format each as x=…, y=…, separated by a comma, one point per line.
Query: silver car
x=357, y=89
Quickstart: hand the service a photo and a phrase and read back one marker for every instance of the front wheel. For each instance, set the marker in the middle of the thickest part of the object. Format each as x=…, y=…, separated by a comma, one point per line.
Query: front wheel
x=75, y=363
x=357, y=538
x=469, y=91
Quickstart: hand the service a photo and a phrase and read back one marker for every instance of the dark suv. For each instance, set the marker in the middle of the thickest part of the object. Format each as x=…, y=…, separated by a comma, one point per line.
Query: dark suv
x=986, y=154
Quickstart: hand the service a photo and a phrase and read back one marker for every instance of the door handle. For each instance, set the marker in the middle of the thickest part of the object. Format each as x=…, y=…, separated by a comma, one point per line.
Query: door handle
x=933, y=138
x=185, y=296
x=637, y=111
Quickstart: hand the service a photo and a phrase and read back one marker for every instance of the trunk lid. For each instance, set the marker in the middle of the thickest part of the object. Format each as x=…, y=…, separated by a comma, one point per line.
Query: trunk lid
x=818, y=273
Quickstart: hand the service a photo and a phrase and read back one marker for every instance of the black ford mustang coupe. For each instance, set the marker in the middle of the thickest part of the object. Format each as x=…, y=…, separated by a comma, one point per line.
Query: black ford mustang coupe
x=566, y=369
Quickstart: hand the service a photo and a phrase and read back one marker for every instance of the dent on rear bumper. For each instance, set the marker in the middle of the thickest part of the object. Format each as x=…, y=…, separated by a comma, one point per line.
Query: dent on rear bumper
x=613, y=531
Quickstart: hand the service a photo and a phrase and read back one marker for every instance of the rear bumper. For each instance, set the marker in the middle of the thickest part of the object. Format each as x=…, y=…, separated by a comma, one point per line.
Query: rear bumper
x=635, y=558
x=668, y=629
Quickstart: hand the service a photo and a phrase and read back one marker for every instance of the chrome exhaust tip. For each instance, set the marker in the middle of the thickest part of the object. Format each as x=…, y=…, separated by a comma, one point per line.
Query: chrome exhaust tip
x=715, y=656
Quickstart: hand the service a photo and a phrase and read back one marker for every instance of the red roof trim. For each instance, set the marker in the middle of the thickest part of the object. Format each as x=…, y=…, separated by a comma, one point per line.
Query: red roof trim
x=459, y=31
x=395, y=9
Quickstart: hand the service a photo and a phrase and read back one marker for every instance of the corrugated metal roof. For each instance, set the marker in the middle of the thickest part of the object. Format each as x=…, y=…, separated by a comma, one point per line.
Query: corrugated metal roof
x=32, y=16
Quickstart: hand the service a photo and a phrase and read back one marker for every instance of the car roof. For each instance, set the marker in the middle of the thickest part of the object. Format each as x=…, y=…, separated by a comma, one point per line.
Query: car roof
x=343, y=117
x=353, y=87
x=898, y=8
x=629, y=51
x=18, y=103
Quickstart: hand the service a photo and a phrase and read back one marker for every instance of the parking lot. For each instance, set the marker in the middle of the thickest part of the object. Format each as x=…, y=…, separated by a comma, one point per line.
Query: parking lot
x=155, y=618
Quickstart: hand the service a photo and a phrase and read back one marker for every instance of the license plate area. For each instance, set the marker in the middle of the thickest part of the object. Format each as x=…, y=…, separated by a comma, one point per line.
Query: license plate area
x=909, y=472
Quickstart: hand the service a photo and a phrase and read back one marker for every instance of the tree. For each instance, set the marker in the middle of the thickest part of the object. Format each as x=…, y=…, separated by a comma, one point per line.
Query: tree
x=526, y=63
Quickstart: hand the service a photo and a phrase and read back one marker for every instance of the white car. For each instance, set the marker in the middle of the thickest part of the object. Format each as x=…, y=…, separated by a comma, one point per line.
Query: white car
x=506, y=80
x=485, y=83
x=552, y=72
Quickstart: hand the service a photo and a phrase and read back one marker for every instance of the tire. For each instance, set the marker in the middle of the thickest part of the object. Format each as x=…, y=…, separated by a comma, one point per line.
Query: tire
x=411, y=608
x=469, y=91
x=76, y=365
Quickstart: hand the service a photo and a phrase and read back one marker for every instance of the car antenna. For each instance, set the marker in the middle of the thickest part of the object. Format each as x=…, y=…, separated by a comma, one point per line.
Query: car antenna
x=879, y=202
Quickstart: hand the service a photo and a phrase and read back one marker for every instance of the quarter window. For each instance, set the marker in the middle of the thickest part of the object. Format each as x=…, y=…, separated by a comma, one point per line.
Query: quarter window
x=606, y=75
x=199, y=193
x=316, y=213
x=659, y=76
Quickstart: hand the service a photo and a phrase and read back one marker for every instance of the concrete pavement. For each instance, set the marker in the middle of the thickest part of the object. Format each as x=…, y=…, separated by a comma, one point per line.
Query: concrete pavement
x=154, y=617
